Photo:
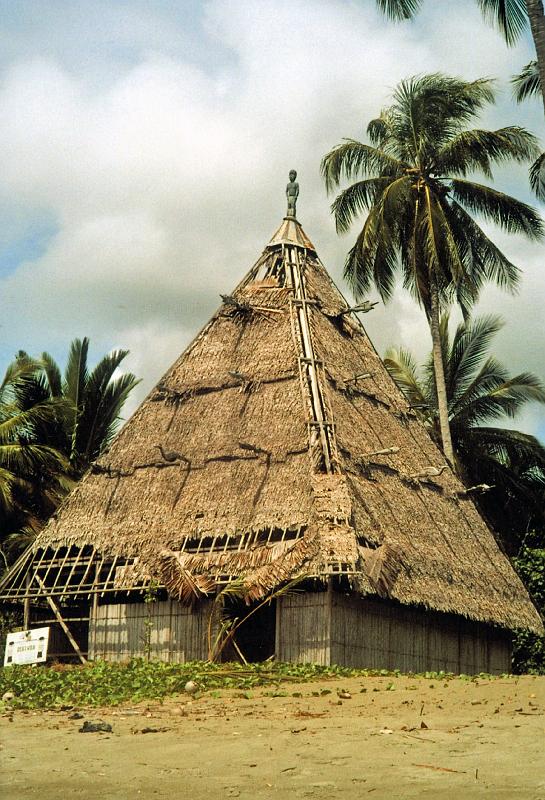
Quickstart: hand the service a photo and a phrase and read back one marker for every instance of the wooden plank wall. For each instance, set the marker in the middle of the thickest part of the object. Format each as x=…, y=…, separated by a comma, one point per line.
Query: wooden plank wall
x=303, y=628
x=377, y=635
x=315, y=627
x=177, y=633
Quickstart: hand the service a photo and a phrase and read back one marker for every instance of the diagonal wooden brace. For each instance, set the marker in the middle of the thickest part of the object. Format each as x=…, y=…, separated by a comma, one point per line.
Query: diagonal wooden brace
x=55, y=609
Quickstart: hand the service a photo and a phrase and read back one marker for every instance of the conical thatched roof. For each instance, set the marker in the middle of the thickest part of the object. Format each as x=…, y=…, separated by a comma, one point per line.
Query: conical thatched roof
x=285, y=449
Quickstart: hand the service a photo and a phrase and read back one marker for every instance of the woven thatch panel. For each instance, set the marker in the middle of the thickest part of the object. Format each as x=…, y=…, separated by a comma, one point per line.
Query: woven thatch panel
x=255, y=346
x=448, y=553
x=449, y=560
x=348, y=356
x=320, y=287
x=243, y=448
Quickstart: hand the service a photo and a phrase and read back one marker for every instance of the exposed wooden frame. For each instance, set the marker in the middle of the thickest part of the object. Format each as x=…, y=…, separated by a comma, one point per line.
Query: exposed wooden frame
x=60, y=620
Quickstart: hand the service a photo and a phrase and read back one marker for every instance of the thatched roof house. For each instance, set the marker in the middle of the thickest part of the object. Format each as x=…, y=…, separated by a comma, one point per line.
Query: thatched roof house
x=275, y=446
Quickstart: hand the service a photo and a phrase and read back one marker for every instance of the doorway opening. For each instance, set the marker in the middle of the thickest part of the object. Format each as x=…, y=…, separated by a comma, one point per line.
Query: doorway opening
x=255, y=637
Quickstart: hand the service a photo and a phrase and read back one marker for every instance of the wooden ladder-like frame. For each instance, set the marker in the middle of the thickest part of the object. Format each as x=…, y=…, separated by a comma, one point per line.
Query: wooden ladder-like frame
x=322, y=443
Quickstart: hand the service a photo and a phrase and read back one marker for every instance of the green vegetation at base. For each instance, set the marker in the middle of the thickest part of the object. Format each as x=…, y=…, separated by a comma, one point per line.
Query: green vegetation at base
x=529, y=648
x=104, y=683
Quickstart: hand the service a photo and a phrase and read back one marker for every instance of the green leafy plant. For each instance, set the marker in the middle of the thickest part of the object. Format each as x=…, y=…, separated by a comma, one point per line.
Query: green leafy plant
x=529, y=648
x=105, y=683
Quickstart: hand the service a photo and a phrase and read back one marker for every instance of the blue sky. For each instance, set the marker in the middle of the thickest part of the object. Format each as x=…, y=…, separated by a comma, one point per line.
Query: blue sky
x=145, y=146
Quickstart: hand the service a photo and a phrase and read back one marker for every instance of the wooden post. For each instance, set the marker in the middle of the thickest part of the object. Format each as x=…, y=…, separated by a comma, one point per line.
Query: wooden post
x=62, y=623
x=278, y=629
x=26, y=603
x=329, y=618
x=92, y=635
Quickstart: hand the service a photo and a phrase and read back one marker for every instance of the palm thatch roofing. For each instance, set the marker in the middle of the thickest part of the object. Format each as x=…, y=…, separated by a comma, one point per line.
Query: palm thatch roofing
x=277, y=445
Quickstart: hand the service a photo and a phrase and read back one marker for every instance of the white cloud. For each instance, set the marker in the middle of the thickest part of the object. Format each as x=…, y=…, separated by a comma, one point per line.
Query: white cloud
x=166, y=176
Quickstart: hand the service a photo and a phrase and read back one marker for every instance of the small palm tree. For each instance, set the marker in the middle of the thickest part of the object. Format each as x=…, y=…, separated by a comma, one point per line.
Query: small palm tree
x=93, y=401
x=34, y=475
x=412, y=181
x=480, y=391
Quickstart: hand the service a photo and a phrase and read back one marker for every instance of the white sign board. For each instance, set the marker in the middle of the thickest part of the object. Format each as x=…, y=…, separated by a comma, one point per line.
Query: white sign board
x=26, y=647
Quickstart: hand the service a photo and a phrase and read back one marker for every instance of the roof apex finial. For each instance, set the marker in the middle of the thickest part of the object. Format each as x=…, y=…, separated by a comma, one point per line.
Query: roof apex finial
x=292, y=193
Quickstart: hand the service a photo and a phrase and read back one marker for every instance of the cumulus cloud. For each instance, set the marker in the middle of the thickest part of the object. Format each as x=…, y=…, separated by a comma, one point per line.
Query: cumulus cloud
x=162, y=156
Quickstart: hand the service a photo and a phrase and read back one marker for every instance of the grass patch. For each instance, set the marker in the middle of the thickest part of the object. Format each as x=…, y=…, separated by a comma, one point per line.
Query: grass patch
x=104, y=683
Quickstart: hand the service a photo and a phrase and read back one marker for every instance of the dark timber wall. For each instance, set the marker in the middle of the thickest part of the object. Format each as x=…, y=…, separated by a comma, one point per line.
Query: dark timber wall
x=335, y=628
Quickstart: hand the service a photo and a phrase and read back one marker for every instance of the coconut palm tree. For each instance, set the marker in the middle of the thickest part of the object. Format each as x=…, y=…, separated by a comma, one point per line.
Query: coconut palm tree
x=93, y=400
x=412, y=181
x=510, y=16
x=481, y=394
x=34, y=476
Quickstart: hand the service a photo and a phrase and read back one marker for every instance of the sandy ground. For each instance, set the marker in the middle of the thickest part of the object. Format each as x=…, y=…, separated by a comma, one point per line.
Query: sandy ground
x=393, y=738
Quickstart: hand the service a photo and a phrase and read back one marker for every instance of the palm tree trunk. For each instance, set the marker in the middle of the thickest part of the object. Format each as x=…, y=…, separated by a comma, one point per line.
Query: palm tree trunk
x=439, y=369
x=536, y=16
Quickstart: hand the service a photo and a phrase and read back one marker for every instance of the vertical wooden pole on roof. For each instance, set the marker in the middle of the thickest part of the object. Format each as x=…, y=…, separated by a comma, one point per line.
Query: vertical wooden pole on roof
x=309, y=365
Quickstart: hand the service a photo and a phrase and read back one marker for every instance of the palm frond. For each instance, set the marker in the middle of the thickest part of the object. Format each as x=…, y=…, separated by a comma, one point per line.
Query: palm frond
x=510, y=214
x=479, y=149
x=527, y=83
x=493, y=456
x=440, y=249
x=429, y=110
x=493, y=394
x=19, y=540
x=18, y=370
x=402, y=366
x=75, y=375
x=7, y=482
x=352, y=159
x=520, y=389
x=52, y=374
x=509, y=16
x=470, y=344
x=488, y=263
x=27, y=458
x=357, y=198
x=14, y=421
x=509, y=445
x=358, y=266
x=379, y=256
x=106, y=424
x=103, y=401
x=399, y=9
x=537, y=177
x=379, y=129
